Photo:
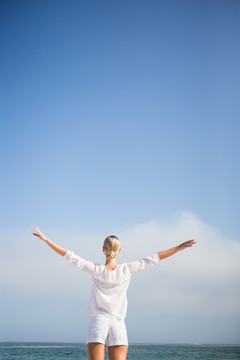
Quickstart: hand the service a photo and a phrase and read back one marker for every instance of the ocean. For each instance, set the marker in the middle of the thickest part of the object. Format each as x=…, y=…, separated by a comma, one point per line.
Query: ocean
x=67, y=351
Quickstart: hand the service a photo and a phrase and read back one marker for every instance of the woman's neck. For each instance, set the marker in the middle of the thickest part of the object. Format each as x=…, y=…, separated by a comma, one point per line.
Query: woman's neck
x=111, y=264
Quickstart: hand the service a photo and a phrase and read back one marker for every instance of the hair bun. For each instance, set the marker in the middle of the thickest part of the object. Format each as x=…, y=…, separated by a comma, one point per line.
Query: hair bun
x=111, y=246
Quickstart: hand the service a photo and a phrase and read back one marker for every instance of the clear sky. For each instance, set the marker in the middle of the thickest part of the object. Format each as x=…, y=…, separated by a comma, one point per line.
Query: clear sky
x=118, y=117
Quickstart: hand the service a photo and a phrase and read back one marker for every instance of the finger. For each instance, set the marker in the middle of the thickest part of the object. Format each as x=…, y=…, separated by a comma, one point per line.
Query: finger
x=192, y=242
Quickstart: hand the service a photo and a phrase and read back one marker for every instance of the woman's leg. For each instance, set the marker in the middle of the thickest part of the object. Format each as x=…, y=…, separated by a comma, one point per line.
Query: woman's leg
x=96, y=351
x=118, y=352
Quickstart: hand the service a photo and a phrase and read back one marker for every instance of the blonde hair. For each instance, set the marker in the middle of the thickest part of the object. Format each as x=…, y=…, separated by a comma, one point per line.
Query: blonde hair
x=111, y=245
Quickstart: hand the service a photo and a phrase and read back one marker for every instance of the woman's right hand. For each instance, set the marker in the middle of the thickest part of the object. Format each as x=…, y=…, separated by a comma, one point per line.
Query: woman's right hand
x=186, y=244
x=39, y=233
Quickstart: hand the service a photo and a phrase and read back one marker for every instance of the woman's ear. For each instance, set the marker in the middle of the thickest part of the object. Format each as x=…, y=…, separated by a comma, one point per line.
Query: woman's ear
x=103, y=249
x=120, y=249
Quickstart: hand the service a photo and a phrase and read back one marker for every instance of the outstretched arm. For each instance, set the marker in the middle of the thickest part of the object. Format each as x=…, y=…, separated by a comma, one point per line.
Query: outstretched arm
x=166, y=253
x=57, y=248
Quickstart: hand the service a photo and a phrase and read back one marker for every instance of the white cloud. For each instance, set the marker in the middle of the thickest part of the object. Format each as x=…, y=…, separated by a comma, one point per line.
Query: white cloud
x=199, y=281
x=203, y=279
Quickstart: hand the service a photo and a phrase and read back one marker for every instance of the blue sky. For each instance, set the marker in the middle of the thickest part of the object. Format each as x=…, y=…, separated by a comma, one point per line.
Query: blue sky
x=116, y=114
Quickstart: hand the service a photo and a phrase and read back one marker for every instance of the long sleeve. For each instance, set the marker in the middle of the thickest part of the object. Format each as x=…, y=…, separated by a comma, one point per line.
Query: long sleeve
x=79, y=263
x=143, y=264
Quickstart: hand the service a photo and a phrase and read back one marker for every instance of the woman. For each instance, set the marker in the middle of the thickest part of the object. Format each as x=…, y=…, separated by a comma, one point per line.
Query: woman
x=108, y=302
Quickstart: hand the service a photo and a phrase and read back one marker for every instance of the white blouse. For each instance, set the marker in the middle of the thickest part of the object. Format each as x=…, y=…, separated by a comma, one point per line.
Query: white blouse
x=109, y=288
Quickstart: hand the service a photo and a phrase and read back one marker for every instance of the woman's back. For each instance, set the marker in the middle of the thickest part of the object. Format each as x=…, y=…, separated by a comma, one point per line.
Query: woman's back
x=109, y=287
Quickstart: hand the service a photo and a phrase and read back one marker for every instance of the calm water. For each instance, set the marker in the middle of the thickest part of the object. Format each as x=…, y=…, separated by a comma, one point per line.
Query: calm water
x=62, y=351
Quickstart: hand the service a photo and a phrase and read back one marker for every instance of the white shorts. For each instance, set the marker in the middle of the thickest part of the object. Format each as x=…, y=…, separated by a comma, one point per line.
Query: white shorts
x=104, y=328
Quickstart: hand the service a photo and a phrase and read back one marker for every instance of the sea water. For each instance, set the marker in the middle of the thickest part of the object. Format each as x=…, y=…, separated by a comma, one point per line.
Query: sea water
x=68, y=351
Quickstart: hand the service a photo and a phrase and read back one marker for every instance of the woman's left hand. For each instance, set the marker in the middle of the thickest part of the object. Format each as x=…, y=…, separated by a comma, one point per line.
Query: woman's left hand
x=39, y=233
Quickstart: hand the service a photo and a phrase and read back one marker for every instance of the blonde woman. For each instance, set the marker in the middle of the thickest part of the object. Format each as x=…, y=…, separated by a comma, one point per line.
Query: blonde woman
x=108, y=301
